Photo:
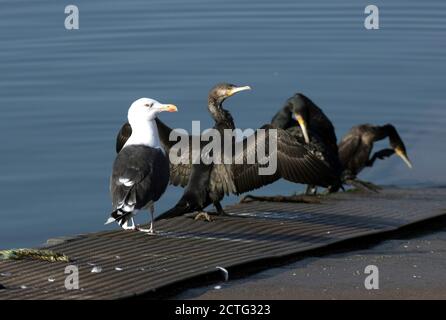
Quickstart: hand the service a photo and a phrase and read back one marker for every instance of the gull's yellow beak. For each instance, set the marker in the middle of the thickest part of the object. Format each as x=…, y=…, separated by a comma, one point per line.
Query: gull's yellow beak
x=303, y=126
x=234, y=90
x=400, y=153
x=169, y=108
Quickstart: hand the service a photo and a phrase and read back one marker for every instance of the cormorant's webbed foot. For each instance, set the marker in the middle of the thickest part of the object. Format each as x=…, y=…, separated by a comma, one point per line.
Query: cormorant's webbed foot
x=203, y=216
x=294, y=198
x=206, y=216
x=363, y=185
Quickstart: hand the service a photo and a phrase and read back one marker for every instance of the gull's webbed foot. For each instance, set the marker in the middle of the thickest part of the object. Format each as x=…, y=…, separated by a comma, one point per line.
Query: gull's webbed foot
x=150, y=231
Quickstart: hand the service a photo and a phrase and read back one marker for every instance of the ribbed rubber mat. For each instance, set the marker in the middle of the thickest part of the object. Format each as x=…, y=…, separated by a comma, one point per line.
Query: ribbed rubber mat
x=134, y=263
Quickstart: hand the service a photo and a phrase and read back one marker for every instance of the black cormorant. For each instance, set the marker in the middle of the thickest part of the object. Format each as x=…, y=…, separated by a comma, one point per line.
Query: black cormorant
x=299, y=111
x=208, y=183
x=356, y=147
x=307, y=123
x=141, y=168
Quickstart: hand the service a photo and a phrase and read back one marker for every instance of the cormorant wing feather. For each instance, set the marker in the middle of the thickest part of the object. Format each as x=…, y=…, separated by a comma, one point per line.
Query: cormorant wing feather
x=296, y=162
x=348, y=147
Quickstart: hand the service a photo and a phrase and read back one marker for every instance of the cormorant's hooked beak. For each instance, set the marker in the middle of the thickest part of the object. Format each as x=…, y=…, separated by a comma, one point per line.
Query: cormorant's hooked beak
x=168, y=108
x=303, y=126
x=235, y=90
x=403, y=156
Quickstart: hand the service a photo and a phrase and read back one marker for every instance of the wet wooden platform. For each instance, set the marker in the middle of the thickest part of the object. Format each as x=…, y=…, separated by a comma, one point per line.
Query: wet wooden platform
x=133, y=264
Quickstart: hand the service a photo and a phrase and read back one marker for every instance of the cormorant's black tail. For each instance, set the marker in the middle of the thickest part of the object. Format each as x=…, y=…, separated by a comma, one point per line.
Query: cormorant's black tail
x=192, y=200
x=188, y=203
x=195, y=196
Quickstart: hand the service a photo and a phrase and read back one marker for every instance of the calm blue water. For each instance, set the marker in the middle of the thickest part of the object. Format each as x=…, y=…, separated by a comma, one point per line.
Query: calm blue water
x=64, y=94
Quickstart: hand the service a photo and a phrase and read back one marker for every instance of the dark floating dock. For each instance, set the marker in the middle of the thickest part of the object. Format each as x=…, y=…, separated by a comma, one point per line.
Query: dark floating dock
x=134, y=264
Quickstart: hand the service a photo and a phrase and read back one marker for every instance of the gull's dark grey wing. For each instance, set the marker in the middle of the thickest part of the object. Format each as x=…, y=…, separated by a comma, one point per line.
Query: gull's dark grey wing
x=140, y=175
x=123, y=135
x=180, y=172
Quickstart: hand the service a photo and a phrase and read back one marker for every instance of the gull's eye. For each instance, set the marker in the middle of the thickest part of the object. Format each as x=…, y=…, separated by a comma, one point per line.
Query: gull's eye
x=148, y=105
